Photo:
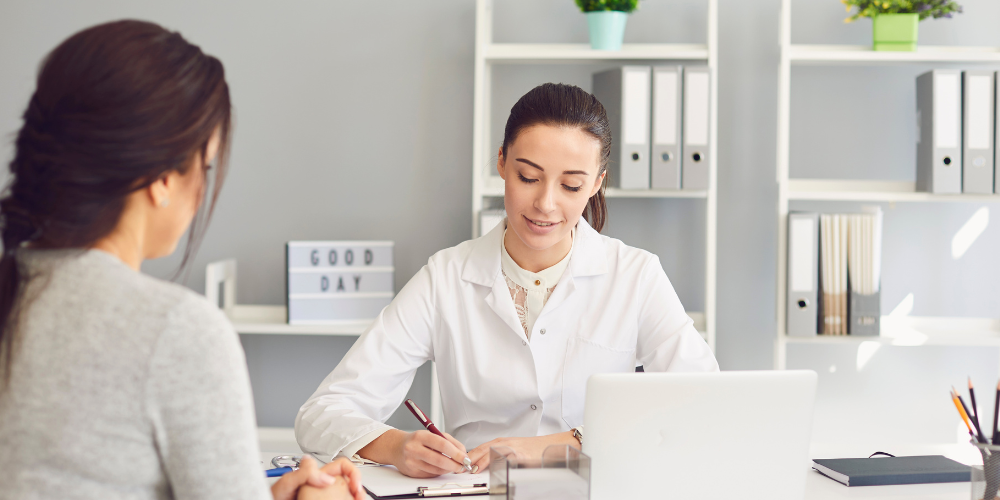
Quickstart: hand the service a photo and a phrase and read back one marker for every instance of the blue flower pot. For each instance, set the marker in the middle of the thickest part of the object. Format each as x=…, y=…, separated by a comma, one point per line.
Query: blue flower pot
x=607, y=29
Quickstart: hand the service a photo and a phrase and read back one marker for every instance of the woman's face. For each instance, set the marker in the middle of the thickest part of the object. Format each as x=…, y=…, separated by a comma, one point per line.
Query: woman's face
x=550, y=173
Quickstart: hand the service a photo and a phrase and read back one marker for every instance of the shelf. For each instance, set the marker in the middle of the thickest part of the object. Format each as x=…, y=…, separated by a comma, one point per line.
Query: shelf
x=916, y=331
x=855, y=54
x=495, y=189
x=571, y=53
x=891, y=191
x=271, y=320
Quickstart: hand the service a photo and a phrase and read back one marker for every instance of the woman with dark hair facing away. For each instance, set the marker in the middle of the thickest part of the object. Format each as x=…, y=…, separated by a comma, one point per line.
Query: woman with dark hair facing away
x=114, y=384
x=516, y=320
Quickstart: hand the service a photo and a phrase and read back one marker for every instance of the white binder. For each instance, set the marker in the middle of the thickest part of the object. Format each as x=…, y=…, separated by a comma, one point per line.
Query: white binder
x=978, y=92
x=697, y=89
x=666, y=140
x=939, y=141
x=802, y=311
x=624, y=92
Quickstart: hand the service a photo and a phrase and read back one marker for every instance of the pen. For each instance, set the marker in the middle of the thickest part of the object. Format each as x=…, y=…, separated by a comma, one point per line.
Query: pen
x=996, y=410
x=278, y=471
x=965, y=414
x=972, y=400
x=961, y=412
x=426, y=422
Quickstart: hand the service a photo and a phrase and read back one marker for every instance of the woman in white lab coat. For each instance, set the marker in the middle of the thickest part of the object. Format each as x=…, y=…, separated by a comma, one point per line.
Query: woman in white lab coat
x=516, y=320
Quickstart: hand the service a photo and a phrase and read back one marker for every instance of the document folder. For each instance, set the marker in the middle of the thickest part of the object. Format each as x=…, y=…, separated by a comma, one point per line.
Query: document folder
x=697, y=90
x=625, y=94
x=803, y=274
x=892, y=470
x=939, y=120
x=666, y=154
x=385, y=481
x=978, y=92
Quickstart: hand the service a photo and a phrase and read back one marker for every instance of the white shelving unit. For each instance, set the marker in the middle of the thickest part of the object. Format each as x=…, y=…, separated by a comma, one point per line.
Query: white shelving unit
x=489, y=54
x=895, y=330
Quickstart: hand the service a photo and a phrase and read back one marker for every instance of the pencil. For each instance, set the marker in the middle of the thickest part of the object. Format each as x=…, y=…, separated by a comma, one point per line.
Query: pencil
x=975, y=409
x=965, y=412
x=996, y=410
x=961, y=412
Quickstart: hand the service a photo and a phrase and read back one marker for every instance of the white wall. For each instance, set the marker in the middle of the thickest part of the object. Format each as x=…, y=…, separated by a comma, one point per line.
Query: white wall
x=354, y=121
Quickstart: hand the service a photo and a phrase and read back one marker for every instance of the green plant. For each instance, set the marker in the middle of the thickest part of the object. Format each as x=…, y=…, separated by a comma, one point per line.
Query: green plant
x=926, y=8
x=601, y=5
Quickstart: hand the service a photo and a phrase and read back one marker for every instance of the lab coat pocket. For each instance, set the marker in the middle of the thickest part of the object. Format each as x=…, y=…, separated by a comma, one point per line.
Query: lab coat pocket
x=583, y=359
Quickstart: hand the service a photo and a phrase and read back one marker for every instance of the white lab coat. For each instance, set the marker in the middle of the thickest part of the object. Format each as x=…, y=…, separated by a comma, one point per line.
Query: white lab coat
x=613, y=305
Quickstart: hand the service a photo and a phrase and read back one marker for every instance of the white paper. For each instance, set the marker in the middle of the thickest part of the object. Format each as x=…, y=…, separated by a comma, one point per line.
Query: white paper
x=385, y=480
x=696, y=108
x=947, y=115
x=802, y=254
x=980, y=114
x=665, y=107
x=635, y=107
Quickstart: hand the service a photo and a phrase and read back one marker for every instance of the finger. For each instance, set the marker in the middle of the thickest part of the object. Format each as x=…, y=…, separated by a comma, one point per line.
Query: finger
x=345, y=468
x=286, y=486
x=314, y=475
x=433, y=457
x=429, y=469
x=442, y=445
x=458, y=444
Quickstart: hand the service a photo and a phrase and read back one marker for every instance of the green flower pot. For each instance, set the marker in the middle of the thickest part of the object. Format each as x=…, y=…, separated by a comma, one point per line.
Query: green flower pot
x=607, y=29
x=896, y=32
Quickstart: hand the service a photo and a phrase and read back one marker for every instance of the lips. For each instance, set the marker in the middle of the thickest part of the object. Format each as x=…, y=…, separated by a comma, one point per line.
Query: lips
x=540, y=226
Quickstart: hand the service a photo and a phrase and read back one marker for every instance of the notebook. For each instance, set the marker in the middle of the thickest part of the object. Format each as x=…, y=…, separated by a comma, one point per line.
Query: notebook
x=386, y=482
x=892, y=470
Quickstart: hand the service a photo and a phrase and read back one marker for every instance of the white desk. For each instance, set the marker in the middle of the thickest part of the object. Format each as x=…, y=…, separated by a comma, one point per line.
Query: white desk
x=818, y=487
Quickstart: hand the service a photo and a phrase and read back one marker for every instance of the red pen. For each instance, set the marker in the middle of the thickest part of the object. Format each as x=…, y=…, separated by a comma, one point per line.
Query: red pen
x=426, y=422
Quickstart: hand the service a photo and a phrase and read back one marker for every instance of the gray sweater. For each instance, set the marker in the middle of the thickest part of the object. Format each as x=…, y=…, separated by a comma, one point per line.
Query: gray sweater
x=124, y=386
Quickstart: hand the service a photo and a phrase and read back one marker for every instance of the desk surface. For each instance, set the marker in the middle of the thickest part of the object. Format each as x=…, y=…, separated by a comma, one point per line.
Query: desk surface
x=819, y=487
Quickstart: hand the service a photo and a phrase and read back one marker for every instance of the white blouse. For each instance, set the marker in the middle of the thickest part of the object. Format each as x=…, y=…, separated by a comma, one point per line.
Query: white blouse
x=529, y=290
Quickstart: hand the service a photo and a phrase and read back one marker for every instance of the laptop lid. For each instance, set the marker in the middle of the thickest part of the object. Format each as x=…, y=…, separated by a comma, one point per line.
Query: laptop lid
x=699, y=435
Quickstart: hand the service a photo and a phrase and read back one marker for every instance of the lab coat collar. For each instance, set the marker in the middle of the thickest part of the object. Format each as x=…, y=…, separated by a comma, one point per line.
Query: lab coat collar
x=482, y=266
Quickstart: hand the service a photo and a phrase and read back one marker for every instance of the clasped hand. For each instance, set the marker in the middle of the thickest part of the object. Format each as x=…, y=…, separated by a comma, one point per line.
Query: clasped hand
x=337, y=480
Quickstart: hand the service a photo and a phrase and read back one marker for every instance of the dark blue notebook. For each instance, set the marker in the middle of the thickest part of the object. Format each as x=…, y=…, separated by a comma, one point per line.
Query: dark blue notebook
x=892, y=470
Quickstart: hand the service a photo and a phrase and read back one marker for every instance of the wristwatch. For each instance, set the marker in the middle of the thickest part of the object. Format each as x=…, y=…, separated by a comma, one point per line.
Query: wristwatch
x=578, y=434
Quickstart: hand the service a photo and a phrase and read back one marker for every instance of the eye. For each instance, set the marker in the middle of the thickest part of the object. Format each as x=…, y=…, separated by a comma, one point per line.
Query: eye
x=525, y=179
x=572, y=189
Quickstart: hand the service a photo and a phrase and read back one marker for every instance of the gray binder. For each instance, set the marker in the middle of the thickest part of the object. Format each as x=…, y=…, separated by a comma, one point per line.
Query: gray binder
x=624, y=92
x=666, y=140
x=996, y=130
x=939, y=120
x=697, y=127
x=803, y=274
x=978, y=90
x=864, y=314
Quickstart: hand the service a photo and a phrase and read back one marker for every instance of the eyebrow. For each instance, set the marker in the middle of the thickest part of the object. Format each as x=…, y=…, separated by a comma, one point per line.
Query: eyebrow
x=565, y=172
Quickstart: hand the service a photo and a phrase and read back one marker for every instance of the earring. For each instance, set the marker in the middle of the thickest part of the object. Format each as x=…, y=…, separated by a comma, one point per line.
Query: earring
x=165, y=203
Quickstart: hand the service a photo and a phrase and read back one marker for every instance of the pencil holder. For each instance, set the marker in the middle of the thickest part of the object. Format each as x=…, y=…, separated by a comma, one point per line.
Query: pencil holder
x=986, y=479
x=562, y=472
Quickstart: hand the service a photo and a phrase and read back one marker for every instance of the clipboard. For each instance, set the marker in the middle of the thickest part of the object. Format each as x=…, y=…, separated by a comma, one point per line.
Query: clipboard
x=384, y=482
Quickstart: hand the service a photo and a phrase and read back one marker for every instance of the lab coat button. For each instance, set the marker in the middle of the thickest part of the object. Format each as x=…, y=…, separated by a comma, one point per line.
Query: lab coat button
x=533, y=407
x=542, y=331
x=524, y=343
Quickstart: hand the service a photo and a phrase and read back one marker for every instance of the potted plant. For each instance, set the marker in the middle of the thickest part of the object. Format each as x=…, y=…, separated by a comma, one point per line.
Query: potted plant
x=894, y=22
x=606, y=19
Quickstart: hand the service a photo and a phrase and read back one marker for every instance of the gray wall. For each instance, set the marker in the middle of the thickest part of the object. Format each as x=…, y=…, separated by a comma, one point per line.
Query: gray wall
x=354, y=122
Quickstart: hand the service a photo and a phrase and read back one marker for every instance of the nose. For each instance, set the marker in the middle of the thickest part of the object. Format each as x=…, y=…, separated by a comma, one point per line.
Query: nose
x=545, y=200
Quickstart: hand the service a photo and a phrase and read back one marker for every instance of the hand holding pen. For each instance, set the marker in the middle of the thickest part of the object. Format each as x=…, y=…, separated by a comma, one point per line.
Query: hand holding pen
x=426, y=422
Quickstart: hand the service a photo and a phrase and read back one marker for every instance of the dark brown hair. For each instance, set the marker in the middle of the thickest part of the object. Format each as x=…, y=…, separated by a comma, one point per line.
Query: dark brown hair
x=116, y=107
x=565, y=106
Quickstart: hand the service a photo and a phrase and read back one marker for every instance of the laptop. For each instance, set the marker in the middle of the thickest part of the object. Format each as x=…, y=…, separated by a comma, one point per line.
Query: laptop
x=682, y=436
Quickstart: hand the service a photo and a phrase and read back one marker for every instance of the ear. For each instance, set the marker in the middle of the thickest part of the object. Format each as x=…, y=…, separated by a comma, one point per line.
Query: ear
x=500, y=164
x=159, y=191
x=598, y=183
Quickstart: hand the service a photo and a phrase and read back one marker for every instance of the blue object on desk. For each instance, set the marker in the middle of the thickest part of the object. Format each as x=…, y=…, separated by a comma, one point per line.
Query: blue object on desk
x=278, y=472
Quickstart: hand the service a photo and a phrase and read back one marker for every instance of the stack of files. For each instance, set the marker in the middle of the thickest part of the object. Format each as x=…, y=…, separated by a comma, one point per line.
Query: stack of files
x=957, y=136
x=892, y=470
x=834, y=273
x=660, y=119
x=335, y=281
